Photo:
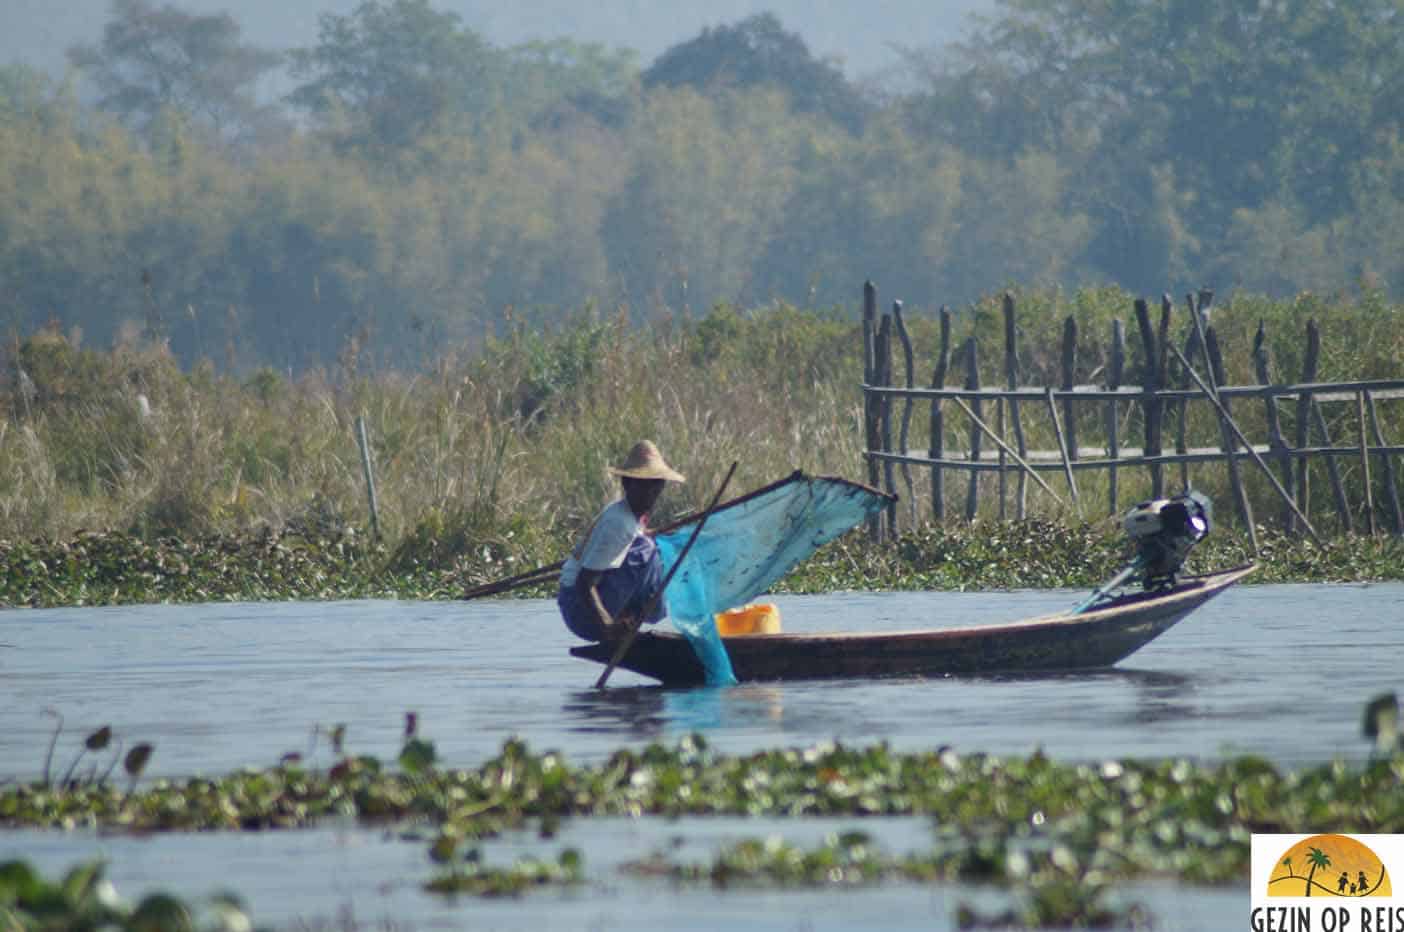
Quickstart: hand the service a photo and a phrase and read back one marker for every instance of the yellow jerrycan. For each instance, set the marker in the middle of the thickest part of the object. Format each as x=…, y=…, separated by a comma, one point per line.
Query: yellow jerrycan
x=756, y=618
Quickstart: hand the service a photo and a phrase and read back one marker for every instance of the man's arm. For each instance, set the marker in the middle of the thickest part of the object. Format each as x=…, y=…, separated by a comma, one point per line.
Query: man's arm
x=586, y=586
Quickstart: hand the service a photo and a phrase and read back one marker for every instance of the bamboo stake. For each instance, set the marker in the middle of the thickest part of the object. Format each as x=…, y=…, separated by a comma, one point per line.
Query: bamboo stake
x=937, y=443
x=975, y=419
x=370, y=476
x=1062, y=444
x=1365, y=463
x=906, y=408
x=1215, y=374
x=1114, y=376
x=1001, y=466
x=1069, y=367
x=884, y=376
x=1011, y=377
x=1309, y=416
x=628, y=640
x=1274, y=425
x=1391, y=488
x=972, y=383
x=870, y=401
x=1218, y=405
x=1151, y=404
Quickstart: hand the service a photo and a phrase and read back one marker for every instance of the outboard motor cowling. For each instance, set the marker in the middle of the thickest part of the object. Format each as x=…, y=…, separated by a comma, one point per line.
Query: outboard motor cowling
x=1164, y=531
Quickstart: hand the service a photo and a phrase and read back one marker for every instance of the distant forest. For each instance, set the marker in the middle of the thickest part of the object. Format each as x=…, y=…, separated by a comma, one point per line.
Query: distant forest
x=421, y=187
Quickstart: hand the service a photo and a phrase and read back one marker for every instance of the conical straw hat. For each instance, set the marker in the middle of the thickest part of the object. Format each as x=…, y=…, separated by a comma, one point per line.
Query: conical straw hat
x=645, y=462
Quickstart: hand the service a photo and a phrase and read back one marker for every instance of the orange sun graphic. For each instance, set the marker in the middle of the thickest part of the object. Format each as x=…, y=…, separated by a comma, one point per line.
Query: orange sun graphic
x=1328, y=865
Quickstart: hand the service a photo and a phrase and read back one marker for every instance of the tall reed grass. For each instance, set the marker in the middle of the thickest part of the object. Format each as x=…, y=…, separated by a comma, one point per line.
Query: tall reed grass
x=505, y=452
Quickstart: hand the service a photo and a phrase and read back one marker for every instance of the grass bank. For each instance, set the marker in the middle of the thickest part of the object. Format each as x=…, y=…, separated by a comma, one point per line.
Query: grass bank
x=121, y=568
x=125, y=478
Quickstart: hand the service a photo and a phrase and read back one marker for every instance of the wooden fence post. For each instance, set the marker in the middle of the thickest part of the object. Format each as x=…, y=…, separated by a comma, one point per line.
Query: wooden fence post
x=364, y=444
x=1114, y=376
x=1062, y=444
x=906, y=341
x=937, y=441
x=1181, y=381
x=1365, y=464
x=1274, y=426
x=1011, y=378
x=972, y=383
x=1309, y=415
x=1151, y=404
x=1069, y=367
x=1229, y=441
x=883, y=345
x=870, y=401
x=1391, y=488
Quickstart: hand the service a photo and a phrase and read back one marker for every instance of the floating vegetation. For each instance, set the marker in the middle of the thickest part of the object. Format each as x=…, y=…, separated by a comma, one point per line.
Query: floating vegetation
x=113, y=568
x=1120, y=818
x=1059, y=889
x=1059, y=836
x=470, y=876
x=84, y=899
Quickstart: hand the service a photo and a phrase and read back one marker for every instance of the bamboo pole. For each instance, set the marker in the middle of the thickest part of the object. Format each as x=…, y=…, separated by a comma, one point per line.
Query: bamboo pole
x=1023, y=464
x=1162, y=366
x=884, y=367
x=1324, y=392
x=1181, y=381
x=1001, y=464
x=1240, y=494
x=1391, y=488
x=972, y=383
x=1069, y=369
x=1228, y=419
x=1151, y=405
x=1309, y=416
x=1274, y=425
x=1365, y=464
x=1011, y=378
x=906, y=341
x=1114, y=376
x=937, y=442
x=1062, y=444
x=1214, y=454
x=529, y=578
x=369, y=473
x=871, y=401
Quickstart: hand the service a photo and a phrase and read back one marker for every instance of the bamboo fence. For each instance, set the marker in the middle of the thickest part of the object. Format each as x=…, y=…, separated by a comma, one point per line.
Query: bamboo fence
x=1174, y=380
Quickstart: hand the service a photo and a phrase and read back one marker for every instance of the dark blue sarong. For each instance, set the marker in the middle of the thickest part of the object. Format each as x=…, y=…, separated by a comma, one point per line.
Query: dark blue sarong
x=625, y=591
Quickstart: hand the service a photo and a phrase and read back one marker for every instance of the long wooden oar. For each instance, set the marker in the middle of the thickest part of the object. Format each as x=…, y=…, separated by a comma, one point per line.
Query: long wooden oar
x=628, y=640
x=545, y=573
x=539, y=575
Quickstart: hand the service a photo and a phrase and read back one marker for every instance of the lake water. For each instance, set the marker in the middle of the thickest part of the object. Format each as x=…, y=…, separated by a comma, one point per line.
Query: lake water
x=1281, y=671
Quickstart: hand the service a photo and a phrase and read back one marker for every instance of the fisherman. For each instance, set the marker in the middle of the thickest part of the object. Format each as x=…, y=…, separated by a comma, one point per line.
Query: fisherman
x=614, y=572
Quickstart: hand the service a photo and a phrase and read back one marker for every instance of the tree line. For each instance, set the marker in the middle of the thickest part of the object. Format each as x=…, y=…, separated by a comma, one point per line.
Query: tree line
x=418, y=186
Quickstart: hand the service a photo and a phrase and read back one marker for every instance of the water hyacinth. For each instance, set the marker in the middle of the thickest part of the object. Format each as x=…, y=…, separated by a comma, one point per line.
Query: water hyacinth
x=116, y=569
x=995, y=819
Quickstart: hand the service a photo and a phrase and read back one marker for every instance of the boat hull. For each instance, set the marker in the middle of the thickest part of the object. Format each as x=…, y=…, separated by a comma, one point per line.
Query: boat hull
x=1096, y=638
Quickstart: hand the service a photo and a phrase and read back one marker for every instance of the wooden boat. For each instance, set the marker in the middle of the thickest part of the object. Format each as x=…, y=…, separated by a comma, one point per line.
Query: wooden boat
x=1098, y=637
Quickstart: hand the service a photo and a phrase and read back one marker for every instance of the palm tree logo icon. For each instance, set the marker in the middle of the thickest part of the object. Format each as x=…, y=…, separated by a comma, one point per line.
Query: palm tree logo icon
x=1305, y=869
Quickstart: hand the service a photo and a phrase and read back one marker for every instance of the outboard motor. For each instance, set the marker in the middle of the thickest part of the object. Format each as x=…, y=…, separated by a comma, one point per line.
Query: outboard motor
x=1164, y=531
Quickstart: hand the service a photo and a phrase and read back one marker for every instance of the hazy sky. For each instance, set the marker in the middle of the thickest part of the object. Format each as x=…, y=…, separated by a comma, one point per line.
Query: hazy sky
x=860, y=32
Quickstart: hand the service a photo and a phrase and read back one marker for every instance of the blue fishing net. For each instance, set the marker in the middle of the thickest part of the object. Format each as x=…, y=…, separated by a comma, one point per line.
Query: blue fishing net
x=749, y=544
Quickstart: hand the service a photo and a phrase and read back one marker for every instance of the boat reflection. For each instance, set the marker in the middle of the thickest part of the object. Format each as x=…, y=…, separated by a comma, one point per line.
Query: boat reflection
x=656, y=711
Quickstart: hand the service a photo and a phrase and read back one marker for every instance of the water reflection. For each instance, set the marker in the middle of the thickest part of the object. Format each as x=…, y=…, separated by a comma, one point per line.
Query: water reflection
x=655, y=711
